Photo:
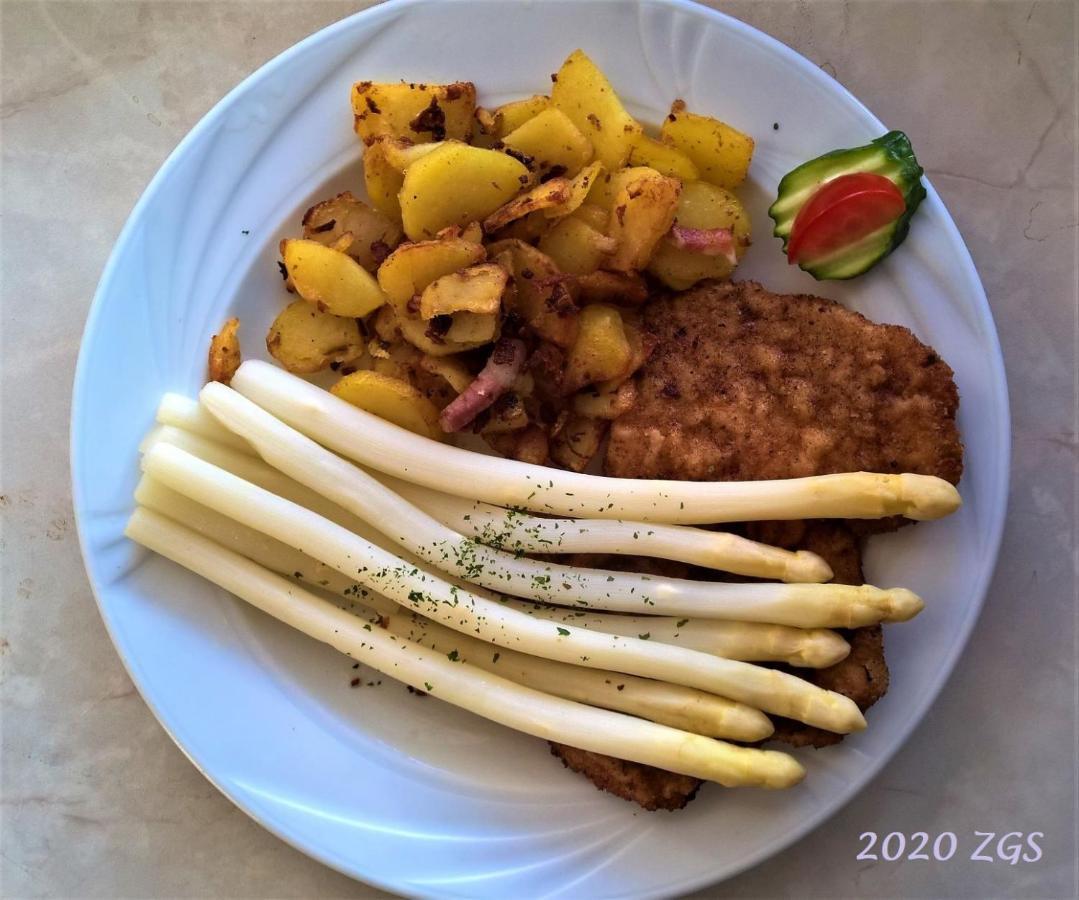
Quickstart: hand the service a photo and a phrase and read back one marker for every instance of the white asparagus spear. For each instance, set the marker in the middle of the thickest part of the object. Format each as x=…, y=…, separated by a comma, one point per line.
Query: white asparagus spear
x=183, y=412
x=467, y=612
x=516, y=531
x=289, y=451
x=668, y=704
x=372, y=441
x=468, y=687
x=747, y=641
x=814, y=648
x=519, y=532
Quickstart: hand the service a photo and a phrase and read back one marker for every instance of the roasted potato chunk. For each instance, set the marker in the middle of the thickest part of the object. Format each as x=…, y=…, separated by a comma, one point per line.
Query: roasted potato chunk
x=508, y=413
x=607, y=400
x=373, y=235
x=419, y=112
x=552, y=142
x=477, y=290
x=225, y=352
x=553, y=193
x=511, y=116
x=595, y=217
x=471, y=328
x=644, y=208
x=542, y=296
x=576, y=247
x=450, y=369
x=585, y=95
x=721, y=154
x=413, y=266
x=579, y=188
x=430, y=336
x=305, y=339
x=457, y=184
x=601, y=351
x=619, y=288
x=331, y=279
x=577, y=441
x=529, y=444
x=664, y=158
x=391, y=399
x=704, y=206
x=384, y=164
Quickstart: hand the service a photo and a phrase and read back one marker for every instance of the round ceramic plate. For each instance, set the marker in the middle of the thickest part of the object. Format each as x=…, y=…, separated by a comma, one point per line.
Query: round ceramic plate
x=409, y=793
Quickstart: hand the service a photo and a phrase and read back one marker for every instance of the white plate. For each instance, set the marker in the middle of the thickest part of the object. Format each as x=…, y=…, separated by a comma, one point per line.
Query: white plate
x=404, y=792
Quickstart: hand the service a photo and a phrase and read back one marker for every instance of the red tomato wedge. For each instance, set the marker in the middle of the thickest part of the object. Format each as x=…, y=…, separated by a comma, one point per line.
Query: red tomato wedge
x=842, y=212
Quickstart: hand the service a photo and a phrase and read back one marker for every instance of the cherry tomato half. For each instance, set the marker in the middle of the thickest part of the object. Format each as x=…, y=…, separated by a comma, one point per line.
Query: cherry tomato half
x=841, y=212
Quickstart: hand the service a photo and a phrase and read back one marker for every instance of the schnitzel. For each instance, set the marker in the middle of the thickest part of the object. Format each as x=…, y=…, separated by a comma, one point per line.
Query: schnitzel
x=745, y=384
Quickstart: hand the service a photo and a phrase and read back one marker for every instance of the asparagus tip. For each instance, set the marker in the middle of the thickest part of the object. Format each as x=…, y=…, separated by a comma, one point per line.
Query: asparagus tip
x=903, y=605
x=928, y=497
x=808, y=567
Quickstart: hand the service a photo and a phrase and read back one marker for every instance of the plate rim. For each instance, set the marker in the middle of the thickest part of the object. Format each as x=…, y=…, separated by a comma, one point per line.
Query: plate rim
x=999, y=481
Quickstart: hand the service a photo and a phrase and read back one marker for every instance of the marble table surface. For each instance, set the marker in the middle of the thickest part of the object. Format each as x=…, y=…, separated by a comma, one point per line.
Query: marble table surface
x=96, y=799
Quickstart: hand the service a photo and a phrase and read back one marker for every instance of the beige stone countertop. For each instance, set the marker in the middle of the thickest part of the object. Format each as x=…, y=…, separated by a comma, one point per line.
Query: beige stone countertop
x=96, y=799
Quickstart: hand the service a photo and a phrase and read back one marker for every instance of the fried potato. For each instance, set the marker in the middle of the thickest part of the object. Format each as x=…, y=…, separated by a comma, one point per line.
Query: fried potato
x=473, y=231
x=722, y=154
x=542, y=295
x=552, y=142
x=664, y=158
x=511, y=116
x=644, y=208
x=330, y=279
x=705, y=206
x=392, y=399
x=431, y=336
x=576, y=247
x=449, y=368
x=508, y=413
x=305, y=339
x=407, y=271
x=471, y=329
x=619, y=288
x=577, y=441
x=374, y=235
x=607, y=400
x=225, y=352
x=384, y=164
x=484, y=131
x=419, y=112
x=595, y=217
x=529, y=444
x=553, y=193
x=529, y=229
x=585, y=95
x=457, y=184
x=476, y=290
x=579, y=188
x=397, y=359
x=601, y=351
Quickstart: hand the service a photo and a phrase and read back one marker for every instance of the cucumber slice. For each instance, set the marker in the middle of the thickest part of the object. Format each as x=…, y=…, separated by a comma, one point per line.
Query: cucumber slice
x=890, y=156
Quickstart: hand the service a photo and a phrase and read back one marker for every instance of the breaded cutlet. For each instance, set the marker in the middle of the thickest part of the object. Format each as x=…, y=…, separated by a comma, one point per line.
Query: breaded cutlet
x=745, y=384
